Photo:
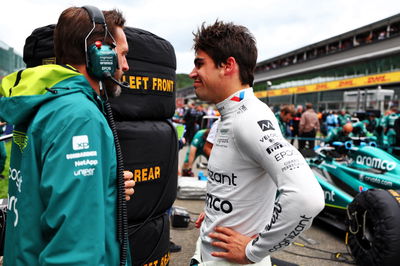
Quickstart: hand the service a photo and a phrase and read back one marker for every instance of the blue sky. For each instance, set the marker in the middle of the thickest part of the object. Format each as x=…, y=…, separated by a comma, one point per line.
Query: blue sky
x=279, y=26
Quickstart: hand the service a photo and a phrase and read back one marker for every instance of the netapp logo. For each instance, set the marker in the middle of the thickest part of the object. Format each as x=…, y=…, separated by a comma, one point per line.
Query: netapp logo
x=266, y=125
x=222, y=178
x=218, y=204
x=375, y=163
x=275, y=146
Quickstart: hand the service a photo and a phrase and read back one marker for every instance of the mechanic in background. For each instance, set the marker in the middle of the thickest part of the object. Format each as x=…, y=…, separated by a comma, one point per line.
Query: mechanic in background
x=195, y=150
x=284, y=117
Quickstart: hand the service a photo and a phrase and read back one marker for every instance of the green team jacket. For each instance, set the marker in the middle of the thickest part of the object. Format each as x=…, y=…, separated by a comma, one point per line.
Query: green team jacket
x=62, y=187
x=282, y=125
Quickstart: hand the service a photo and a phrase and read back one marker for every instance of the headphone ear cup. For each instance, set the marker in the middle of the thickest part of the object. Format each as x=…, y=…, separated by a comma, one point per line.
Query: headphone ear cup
x=101, y=59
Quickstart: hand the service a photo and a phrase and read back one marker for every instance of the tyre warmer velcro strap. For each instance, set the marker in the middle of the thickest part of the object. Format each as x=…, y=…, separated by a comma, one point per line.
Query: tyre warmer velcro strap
x=395, y=194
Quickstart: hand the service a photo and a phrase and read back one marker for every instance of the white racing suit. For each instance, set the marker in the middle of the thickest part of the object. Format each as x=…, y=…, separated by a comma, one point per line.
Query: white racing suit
x=258, y=184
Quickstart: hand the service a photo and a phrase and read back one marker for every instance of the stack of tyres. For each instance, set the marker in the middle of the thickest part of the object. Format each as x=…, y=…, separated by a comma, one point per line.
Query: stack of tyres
x=148, y=140
x=149, y=143
x=149, y=150
x=373, y=227
x=151, y=79
x=39, y=48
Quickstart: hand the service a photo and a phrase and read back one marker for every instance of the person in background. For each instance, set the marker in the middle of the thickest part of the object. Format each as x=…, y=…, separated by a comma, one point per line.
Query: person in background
x=341, y=134
x=322, y=125
x=331, y=121
x=250, y=160
x=343, y=117
x=347, y=132
x=211, y=138
x=178, y=115
x=371, y=123
x=200, y=113
x=195, y=150
x=189, y=118
x=295, y=122
x=308, y=127
x=387, y=123
x=62, y=204
x=284, y=117
x=359, y=130
x=396, y=150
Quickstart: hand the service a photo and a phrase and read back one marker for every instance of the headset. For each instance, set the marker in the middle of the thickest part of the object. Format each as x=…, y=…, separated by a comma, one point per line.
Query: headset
x=101, y=63
x=101, y=59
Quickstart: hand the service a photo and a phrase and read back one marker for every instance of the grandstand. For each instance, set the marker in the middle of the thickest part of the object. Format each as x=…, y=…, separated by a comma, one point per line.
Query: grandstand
x=364, y=60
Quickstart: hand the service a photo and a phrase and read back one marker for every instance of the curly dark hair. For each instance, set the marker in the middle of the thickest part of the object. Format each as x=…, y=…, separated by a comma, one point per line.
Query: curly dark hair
x=223, y=40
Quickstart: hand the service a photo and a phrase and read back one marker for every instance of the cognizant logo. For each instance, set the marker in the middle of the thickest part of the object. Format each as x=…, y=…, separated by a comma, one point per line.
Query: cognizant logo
x=222, y=178
x=375, y=163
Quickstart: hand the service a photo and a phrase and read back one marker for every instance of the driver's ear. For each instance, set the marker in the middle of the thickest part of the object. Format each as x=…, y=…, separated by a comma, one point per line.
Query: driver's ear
x=230, y=67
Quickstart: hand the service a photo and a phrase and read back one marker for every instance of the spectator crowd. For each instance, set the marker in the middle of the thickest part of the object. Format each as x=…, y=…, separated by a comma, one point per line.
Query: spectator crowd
x=306, y=125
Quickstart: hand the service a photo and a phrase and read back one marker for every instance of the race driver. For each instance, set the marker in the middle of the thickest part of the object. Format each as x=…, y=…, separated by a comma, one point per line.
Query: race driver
x=261, y=194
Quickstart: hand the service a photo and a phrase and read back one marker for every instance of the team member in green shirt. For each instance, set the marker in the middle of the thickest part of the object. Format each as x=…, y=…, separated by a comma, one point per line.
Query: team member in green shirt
x=195, y=150
x=62, y=207
x=284, y=116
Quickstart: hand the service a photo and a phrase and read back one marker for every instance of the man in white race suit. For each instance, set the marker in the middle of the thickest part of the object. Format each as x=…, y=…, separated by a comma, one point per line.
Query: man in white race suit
x=261, y=194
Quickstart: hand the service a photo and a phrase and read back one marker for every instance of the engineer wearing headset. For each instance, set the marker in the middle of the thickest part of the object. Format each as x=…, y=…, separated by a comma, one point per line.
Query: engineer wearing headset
x=63, y=196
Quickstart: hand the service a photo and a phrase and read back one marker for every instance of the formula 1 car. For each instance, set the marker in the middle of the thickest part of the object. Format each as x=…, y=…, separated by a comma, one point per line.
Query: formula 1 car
x=361, y=183
x=346, y=169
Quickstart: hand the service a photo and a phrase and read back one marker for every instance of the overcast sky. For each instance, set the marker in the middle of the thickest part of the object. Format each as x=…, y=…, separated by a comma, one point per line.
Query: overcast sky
x=279, y=26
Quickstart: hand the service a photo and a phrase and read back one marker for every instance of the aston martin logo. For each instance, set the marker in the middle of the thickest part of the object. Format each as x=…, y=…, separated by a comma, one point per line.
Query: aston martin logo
x=21, y=139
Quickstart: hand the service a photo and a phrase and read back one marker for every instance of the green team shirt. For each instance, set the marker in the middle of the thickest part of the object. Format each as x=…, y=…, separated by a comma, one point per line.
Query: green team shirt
x=343, y=119
x=62, y=194
x=282, y=125
x=198, y=142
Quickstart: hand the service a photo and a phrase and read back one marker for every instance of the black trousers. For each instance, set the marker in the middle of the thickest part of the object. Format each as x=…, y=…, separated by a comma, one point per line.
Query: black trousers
x=311, y=143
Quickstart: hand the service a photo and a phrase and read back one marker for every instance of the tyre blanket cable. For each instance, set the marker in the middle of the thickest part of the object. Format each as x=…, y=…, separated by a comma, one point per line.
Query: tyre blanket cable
x=335, y=256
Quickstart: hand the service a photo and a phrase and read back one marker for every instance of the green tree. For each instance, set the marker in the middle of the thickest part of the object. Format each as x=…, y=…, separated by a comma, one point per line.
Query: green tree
x=183, y=81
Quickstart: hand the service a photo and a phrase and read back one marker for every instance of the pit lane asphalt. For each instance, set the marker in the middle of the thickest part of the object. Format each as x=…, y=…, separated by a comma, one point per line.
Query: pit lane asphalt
x=319, y=236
